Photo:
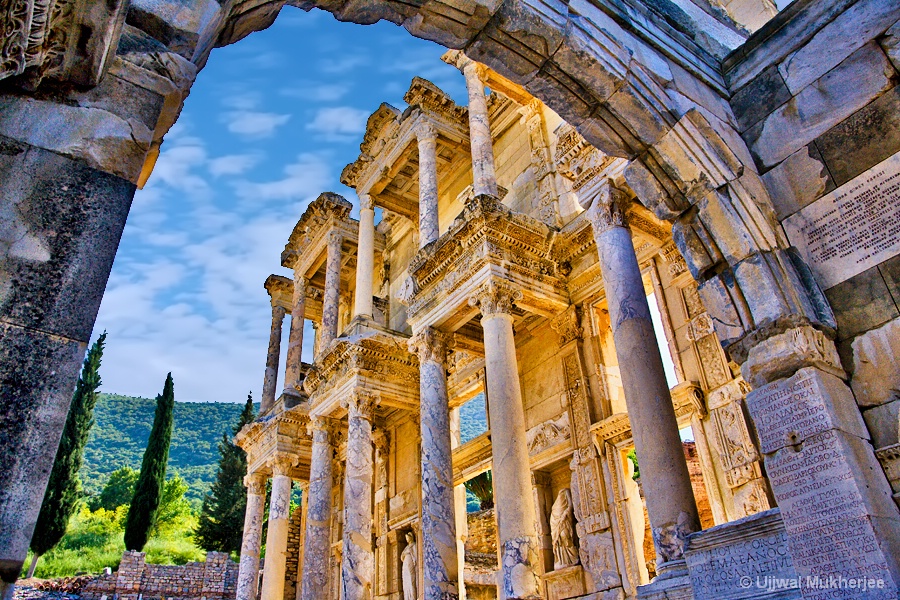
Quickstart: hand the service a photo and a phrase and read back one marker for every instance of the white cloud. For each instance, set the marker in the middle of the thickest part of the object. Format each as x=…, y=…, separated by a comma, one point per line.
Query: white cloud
x=176, y=164
x=343, y=64
x=316, y=92
x=339, y=123
x=307, y=176
x=253, y=124
x=233, y=164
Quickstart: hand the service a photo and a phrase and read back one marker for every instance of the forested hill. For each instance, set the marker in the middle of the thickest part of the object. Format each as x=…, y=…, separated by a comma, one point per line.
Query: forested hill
x=122, y=426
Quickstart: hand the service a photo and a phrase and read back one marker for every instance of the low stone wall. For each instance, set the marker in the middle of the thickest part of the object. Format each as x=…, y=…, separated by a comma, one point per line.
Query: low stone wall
x=214, y=579
x=482, y=532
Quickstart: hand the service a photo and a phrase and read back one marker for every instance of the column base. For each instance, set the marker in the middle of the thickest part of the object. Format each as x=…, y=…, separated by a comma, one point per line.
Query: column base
x=672, y=583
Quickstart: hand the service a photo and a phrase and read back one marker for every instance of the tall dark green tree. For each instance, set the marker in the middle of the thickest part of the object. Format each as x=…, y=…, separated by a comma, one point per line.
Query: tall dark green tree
x=64, y=488
x=221, y=522
x=148, y=491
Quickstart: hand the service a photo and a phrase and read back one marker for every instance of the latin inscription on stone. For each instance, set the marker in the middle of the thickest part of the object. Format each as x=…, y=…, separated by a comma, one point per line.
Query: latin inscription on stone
x=853, y=228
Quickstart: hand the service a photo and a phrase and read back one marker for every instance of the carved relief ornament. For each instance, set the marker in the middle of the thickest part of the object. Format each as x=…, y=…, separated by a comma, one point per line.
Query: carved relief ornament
x=495, y=297
x=431, y=345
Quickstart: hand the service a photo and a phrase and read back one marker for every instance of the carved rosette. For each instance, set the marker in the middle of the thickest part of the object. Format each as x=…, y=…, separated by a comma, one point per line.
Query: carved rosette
x=361, y=405
x=608, y=208
x=431, y=345
x=495, y=298
x=255, y=484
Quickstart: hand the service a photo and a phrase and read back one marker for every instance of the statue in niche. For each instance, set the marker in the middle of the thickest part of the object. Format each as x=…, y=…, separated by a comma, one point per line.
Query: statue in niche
x=562, y=531
x=409, y=568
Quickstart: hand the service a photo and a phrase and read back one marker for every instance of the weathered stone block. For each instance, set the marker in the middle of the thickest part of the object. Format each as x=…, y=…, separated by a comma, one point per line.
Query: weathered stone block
x=60, y=224
x=696, y=244
x=726, y=307
x=835, y=96
x=876, y=354
x=883, y=423
x=861, y=303
x=181, y=27
x=759, y=98
x=864, y=139
x=37, y=374
x=891, y=44
x=783, y=354
x=859, y=24
x=736, y=560
x=654, y=188
x=797, y=181
x=890, y=270
x=789, y=411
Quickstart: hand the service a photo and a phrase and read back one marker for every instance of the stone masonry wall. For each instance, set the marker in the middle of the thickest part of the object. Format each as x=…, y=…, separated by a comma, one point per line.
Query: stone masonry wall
x=292, y=562
x=818, y=104
x=214, y=579
x=482, y=535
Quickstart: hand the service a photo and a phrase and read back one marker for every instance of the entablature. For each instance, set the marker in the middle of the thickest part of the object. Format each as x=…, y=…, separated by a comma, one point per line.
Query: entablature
x=285, y=433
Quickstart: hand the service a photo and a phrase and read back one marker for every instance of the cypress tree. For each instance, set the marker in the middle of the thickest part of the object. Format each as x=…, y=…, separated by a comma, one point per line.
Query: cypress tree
x=64, y=487
x=221, y=522
x=148, y=491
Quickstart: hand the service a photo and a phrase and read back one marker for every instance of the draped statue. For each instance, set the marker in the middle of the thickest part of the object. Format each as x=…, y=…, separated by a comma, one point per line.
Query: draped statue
x=409, y=568
x=562, y=531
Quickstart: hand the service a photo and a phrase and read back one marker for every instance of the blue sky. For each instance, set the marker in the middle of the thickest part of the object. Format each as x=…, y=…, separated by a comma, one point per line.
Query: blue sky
x=269, y=124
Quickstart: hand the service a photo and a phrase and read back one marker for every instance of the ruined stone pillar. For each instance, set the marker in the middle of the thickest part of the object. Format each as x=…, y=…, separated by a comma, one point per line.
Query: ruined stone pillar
x=279, y=521
x=358, y=557
x=666, y=481
x=365, y=257
x=317, y=543
x=428, y=184
x=248, y=575
x=440, y=563
x=517, y=539
x=294, y=360
x=484, y=180
x=331, y=302
x=272, y=357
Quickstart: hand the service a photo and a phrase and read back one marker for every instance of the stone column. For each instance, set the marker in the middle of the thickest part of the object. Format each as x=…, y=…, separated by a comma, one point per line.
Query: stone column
x=331, y=303
x=248, y=575
x=279, y=521
x=518, y=543
x=365, y=257
x=484, y=180
x=294, y=358
x=438, y=526
x=358, y=557
x=272, y=358
x=317, y=544
x=666, y=481
x=428, y=184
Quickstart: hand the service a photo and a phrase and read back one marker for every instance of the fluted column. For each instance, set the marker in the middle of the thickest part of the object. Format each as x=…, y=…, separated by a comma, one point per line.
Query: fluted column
x=358, y=558
x=248, y=573
x=272, y=357
x=295, y=341
x=317, y=543
x=279, y=521
x=511, y=470
x=428, y=183
x=439, y=551
x=657, y=443
x=484, y=179
x=331, y=302
x=365, y=257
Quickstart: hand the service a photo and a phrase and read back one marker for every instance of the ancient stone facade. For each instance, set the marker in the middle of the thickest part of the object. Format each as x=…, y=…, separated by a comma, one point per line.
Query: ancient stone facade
x=630, y=154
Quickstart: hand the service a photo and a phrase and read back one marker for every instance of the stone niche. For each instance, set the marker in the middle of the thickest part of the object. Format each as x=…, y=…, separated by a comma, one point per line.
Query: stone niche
x=742, y=559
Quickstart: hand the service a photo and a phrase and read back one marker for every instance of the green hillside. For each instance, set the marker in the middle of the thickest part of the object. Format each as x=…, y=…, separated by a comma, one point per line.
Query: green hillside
x=122, y=426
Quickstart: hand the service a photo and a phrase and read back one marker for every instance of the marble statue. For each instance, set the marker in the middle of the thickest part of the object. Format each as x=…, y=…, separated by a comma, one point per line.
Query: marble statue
x=562, y=531
x=409, y=568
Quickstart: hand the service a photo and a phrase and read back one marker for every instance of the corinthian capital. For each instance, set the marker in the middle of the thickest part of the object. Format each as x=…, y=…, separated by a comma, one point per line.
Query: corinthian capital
x=282, y=463
x=255, y=484
x=361, y=404
x=424, y=130
x=431, y=345
x=322, y=429
x=608, y=208
x=495, y=297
